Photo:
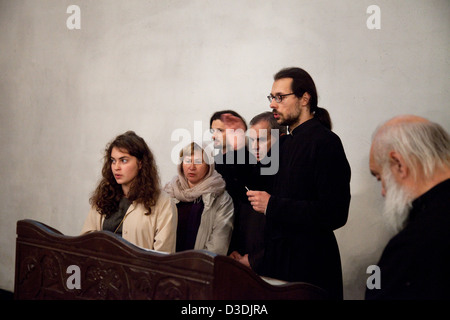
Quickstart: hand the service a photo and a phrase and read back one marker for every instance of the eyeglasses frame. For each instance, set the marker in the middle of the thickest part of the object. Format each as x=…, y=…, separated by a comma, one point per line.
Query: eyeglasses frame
x=279, y=97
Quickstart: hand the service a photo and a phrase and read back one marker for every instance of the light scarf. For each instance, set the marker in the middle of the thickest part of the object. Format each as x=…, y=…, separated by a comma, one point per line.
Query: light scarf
x=179, y=189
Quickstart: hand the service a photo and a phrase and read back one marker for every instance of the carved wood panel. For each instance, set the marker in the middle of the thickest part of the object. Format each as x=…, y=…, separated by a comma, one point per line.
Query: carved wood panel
x=111, y=268
x=41, y=273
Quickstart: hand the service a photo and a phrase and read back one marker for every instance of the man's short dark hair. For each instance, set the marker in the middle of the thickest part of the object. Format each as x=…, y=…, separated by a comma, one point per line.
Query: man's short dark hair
x=268, y=116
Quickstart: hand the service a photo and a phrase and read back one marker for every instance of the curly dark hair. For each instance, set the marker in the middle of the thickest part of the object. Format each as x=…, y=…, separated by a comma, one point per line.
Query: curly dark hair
x=144, y=189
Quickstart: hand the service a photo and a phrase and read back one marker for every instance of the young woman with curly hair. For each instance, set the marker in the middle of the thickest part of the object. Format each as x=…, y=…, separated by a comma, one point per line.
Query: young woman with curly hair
x=129, y=201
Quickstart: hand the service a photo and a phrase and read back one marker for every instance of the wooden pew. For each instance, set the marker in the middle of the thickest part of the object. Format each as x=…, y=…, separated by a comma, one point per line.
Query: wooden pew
x=109, y=267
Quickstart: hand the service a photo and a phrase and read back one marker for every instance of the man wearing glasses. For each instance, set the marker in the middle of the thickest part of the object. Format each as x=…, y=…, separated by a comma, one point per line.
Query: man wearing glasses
x=311, y=191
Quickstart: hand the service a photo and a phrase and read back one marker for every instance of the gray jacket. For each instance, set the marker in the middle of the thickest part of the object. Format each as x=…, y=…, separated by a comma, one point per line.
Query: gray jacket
x=216, y=225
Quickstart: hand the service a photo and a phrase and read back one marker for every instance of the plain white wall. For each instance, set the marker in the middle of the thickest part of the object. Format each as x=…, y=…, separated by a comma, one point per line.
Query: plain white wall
x=157, y=66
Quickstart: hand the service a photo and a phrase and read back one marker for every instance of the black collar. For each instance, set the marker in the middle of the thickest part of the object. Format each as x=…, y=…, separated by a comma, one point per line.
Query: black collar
x=439, y=191
x=305, y=126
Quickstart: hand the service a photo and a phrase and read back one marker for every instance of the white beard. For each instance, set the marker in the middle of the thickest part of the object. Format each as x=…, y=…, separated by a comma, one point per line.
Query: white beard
x=397, y=204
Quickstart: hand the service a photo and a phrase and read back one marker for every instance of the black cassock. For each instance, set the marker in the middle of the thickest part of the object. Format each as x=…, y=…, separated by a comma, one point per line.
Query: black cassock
x=415, y=264
x=310, y=199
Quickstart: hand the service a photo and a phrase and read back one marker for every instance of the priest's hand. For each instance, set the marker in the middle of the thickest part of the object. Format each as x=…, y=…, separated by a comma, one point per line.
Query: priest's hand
x=258, y=200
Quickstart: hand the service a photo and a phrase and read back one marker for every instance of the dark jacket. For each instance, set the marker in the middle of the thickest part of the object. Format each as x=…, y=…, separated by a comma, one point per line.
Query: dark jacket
x=248, y=235
x=237, y=169
x=311, y=198
x=416, y=262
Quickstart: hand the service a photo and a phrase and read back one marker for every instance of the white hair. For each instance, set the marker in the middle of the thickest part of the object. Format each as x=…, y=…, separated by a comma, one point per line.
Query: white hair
x=397, y=204
x=424, y=145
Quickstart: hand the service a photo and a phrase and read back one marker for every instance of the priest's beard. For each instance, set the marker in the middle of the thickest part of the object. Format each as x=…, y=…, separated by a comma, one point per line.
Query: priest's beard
x=398, y=202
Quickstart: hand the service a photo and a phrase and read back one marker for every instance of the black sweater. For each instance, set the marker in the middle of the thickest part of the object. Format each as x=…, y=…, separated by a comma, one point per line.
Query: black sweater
x=416, y=262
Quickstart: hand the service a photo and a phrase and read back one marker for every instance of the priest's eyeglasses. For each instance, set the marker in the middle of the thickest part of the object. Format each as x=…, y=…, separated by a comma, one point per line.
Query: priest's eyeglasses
x=278, y=98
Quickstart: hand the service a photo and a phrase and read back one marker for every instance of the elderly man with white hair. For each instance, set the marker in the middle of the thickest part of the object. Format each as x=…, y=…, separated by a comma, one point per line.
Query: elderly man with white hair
x=410, y=155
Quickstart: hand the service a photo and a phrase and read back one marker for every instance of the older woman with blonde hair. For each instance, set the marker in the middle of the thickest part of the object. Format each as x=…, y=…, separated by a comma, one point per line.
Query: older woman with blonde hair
x=205, y=209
